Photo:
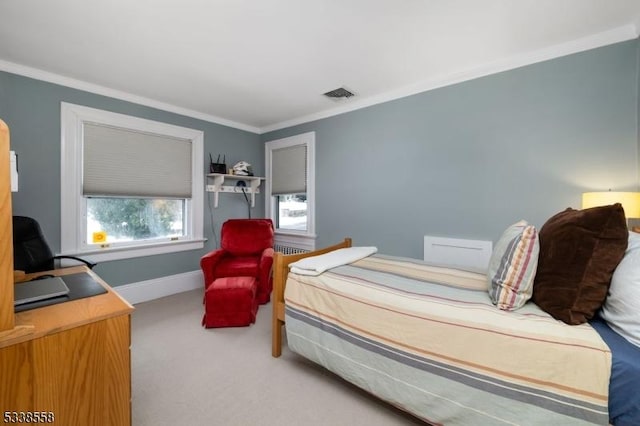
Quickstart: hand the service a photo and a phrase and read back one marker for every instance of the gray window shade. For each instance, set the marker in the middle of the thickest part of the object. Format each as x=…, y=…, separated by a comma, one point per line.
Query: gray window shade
x=289, y=170
x=124, y=162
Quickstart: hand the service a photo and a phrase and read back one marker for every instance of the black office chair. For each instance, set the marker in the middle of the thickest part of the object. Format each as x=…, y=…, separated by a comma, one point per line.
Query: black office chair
x=31, y=253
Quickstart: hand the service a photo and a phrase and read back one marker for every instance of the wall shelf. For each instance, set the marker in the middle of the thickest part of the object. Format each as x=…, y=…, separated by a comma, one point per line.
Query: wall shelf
x=252, y=186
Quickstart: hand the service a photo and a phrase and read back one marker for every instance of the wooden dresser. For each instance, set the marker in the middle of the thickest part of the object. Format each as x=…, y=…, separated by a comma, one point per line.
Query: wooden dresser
x=69, y=363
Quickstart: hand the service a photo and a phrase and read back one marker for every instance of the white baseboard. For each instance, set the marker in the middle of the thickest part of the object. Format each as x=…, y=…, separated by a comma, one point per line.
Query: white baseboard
x=143, y=291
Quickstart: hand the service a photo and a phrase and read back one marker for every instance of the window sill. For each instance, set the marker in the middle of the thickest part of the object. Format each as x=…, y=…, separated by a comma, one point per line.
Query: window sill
x=118, y=253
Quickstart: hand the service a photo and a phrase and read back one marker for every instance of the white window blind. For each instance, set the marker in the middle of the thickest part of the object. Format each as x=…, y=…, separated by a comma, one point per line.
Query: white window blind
x=125, y=162
x=289, y=170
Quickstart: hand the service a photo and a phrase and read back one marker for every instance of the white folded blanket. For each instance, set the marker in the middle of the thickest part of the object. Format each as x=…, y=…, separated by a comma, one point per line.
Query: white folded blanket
x=315, y=265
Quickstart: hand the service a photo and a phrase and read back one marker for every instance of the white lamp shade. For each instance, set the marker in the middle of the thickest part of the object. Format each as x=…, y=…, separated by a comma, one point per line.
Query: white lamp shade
x=630, y=201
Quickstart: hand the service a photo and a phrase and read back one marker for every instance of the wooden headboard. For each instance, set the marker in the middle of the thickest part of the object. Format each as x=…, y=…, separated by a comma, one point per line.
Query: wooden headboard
x=7, y=316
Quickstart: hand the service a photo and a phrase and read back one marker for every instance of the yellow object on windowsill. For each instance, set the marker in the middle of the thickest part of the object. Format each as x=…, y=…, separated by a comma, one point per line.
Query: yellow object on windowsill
x=99, y=237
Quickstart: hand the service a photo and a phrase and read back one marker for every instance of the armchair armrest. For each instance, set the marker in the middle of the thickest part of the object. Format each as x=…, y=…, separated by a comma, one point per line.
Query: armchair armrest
x=265, y=277
x=208, y=264
x=266, y=260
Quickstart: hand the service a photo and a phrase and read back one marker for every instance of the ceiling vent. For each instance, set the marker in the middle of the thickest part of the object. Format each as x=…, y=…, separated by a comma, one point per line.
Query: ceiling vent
x=339, y=94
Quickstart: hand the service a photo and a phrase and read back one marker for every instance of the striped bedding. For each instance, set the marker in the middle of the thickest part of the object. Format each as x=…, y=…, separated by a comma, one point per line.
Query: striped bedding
x=432, y=343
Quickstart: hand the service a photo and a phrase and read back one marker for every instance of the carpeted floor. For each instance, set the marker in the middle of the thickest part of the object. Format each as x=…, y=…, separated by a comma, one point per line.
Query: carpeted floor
x=184, y=374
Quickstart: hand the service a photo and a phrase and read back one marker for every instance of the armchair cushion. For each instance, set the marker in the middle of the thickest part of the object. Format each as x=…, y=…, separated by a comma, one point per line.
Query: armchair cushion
x=238, y=266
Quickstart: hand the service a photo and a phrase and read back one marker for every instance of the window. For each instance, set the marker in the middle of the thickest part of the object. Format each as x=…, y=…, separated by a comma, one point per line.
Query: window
x=292, y=211
x=130, y=187
x=290, y=189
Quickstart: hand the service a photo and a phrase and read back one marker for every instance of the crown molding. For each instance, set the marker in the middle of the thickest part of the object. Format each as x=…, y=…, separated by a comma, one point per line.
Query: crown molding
x=39, y=74
x=605, y=38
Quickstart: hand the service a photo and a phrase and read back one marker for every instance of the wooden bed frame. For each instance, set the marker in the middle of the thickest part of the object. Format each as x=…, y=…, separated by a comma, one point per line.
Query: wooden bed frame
x=280, y=271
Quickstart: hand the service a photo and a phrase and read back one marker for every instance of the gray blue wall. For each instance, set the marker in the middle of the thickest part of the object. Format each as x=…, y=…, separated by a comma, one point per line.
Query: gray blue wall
x=468, y=160
x=31, y=108
x=462, y=161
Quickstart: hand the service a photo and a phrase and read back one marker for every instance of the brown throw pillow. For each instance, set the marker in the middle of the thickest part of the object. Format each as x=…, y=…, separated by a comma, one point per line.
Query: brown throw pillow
x=579, y=250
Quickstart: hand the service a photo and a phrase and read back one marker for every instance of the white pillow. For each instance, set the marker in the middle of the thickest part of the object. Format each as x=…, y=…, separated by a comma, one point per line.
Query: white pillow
x=621, y=309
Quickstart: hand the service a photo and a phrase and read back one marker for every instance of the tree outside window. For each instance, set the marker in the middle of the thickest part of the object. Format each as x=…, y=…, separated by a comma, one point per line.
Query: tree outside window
x=132, y=219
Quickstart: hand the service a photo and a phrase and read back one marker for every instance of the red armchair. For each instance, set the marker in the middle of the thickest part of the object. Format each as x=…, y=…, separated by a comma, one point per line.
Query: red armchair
x=246, y=249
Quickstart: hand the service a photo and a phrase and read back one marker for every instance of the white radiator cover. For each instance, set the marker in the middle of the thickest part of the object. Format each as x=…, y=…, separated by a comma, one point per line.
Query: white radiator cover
x=292, y=244
x=473, y=254
x=288, y=249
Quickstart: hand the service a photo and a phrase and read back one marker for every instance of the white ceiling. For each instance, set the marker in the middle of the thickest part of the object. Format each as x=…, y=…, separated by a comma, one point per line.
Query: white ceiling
x=263, y=64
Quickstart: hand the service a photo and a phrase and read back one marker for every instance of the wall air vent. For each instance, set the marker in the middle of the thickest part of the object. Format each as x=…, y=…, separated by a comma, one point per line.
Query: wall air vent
x=339, y=94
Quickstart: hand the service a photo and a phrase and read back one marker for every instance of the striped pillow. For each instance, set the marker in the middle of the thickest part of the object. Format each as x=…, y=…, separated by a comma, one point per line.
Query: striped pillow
x=513, y=266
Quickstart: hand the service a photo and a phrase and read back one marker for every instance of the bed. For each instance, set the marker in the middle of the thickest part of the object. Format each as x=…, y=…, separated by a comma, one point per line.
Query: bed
x=429, y=341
